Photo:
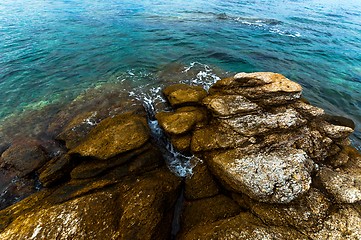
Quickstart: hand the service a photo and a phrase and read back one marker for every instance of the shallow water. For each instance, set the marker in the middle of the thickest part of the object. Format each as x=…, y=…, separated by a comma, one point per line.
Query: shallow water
x=52, y=51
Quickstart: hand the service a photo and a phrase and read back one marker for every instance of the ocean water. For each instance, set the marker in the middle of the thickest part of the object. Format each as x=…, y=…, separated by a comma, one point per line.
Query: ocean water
x=52, y=51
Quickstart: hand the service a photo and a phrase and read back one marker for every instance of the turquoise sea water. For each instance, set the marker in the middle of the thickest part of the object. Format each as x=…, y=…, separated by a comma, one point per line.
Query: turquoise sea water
x=51, y=51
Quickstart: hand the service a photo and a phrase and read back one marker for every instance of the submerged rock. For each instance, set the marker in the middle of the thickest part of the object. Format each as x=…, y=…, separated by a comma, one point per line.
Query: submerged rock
x=78, y=128
x=18, y=166
x=24, y=157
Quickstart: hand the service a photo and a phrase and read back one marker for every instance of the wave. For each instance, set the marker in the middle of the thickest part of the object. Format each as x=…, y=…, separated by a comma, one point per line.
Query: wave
x=269, y=24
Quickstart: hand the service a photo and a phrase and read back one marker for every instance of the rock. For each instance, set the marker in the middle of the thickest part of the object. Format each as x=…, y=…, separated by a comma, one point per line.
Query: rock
x=343, y=184
x=228, y=105
x=279, y=176
x=208, y=210
x=183, y=94
x=307, y=110
x=253, y=124
x=17, y=170
x=113, y=136
x=4, y=146
x=246, y=80
x=56, y=170
x=14, y=188
x=342, y=224
x=264, y=87
x=305, y=213
x=339, y=121
x=342, y=157
x=316, y=145
x=136, y=208
x=148, y=206
x=334, y=131
x=182, y=142
x=216, y=137
x=201, y=184
x=137, y=160
x=242, y=226
x=24, y=156
x=70, y=220
x=22, y=207
x=98, y=103
x=182, y=121
x=78, y=129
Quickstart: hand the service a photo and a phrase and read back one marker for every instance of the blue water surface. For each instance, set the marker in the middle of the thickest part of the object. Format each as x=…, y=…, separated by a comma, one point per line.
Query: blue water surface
x=52, y=50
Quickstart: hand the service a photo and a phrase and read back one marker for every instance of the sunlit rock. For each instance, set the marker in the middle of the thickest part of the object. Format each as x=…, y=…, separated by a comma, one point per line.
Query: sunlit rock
x=113, y=136
x=183, y=94
x=279, y=176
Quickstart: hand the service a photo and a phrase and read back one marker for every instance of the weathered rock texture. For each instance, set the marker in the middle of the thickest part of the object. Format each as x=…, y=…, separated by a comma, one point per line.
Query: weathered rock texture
x=286, y=163
x=273, y=167
x=111, y=184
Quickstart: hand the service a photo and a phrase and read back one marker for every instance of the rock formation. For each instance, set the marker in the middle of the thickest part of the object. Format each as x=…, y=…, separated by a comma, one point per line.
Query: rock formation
x=272, y=167
x=287, y=164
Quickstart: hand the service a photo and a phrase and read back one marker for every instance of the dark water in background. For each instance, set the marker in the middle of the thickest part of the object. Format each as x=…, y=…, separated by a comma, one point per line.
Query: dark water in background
x=52, y=51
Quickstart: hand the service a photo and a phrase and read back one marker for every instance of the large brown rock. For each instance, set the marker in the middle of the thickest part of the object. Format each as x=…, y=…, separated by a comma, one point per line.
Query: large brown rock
x=279, y=176
x=183, y=94
x=201, y=184
x=228, y=105
x=148, y=206
x=182, y=120
x=74, y=219
x=136, y=208
x=208, y=210
x=182, y=142
x=305, y=213
x=253, y=124
x=113, y=136
x=265, y=87
x=216, y=136
x=243, y=226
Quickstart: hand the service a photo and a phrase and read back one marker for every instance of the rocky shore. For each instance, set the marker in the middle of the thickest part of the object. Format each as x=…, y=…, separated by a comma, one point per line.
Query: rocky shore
x=271, y=166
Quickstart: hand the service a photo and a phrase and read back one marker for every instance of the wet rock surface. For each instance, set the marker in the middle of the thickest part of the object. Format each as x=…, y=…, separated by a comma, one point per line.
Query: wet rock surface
x=271, y=166
x=113, y=136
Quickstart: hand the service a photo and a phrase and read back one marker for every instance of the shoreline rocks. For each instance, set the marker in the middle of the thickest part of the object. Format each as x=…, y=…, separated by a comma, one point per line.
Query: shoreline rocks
x=269, y=149
x=272, y=166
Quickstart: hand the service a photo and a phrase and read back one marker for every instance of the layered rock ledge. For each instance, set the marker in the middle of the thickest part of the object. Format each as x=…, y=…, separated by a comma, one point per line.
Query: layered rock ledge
x=272, y=167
